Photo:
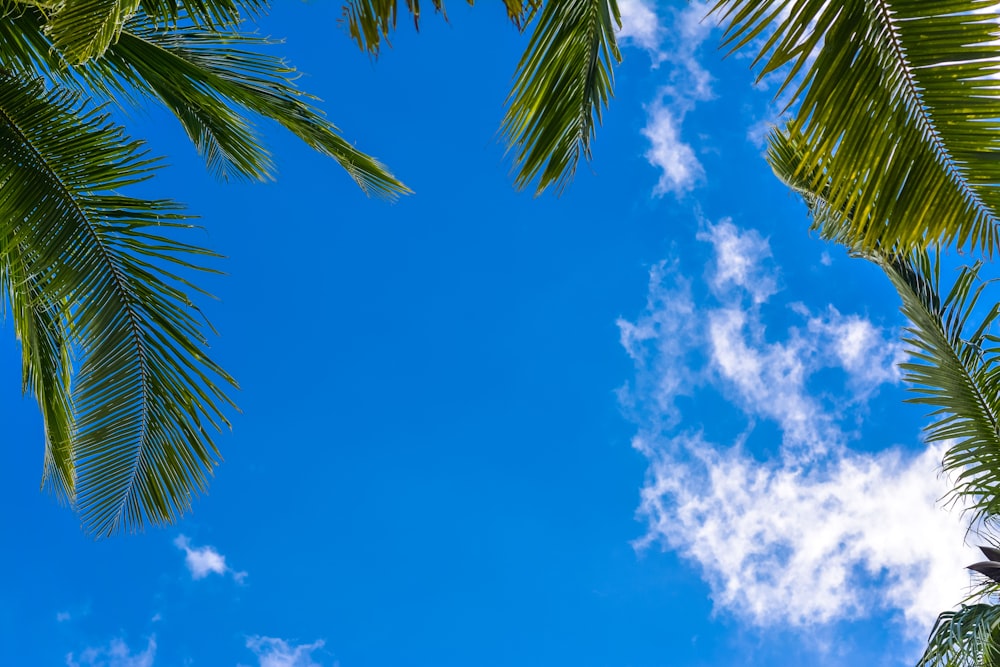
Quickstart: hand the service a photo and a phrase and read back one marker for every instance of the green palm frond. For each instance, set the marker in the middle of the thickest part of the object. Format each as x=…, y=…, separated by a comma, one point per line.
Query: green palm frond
x=84, y=29
x=953, y=369
x=955, y=359
x=969, y=637
x=45, y=354
x=202, y=76
x=203, y=13
x=146, y=394
x=213, y=82
x=564, y=81
x=897, y=106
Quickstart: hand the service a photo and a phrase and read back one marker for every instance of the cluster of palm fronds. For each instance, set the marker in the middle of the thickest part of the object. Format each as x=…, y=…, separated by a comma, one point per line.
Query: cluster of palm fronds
x=893, y=142
x=98, y=284
x=893, y=138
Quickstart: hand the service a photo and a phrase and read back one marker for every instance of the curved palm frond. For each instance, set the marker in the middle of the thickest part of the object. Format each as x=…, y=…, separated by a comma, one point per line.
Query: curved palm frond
x=209, y=80
x=563, y=83
x=45, y=355
x=969, y=637
x=955, y=360
x=208, y=74
x=146, y=393
x=84, y=29
x=897, y=106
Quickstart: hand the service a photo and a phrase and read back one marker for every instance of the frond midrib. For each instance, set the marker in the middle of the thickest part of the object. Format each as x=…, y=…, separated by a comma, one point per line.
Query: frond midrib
x=922, y=114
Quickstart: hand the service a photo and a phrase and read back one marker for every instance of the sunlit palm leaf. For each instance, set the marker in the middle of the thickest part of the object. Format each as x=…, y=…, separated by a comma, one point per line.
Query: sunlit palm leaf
x=146, y=394
x=898, y=108
x=564, y=81
x=965, y=638
x=83, y=29
x=203, y=13
x=955, y=360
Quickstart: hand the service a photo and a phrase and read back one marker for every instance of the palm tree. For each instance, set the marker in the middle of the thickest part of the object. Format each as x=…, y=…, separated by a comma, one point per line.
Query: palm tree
x=892, y=141
x=98, y=282
x=895, y=106
x=954, y=369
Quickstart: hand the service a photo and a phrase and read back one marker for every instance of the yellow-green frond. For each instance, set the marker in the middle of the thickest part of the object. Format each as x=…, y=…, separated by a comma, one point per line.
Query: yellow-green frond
x=896, y=108
x=563, y=82
x=145, y=395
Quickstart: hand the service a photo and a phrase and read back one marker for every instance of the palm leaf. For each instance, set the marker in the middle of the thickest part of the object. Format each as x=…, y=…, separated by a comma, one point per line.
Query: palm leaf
x=145, y=393
x=211, y=73
x=84, y=29
x=969, y=637
x=45, y=353
x=563, y=83
x=213, y=14
x=897, y=107
x=211, y=81
x=954, y=357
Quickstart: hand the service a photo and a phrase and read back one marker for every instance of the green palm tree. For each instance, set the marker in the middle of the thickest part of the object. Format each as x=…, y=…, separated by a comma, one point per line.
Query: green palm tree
x=98, y=283
x=954, y=368
x=895, y=106
x=892, y=140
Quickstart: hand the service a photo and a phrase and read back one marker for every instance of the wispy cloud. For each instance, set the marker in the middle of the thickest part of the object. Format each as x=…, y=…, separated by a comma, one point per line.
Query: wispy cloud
x=641, y=27
x=116, y=654
x=689, y=83
x=680, y=169
x=274, y=652
x=203, y=561
x=817, y=531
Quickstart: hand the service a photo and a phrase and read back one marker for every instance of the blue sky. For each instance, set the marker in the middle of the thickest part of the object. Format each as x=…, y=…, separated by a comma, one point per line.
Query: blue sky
x=651, y=422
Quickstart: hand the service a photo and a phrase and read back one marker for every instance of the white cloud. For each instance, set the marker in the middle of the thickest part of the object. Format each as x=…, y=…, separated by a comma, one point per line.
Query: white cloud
x=740, y=261
x=115, y=654
x=689, y=84
x=681, y=170
x=274, y=652
x=815, y=532
x=641, y=26
x=203, y=561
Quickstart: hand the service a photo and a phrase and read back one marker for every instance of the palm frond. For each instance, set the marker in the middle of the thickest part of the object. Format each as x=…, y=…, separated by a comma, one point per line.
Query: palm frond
x=146, y=392
x=84, y=29
x=213, y=82
x=45, y=354
x=563, y=83
x=897, y=106
x=969, y=637
x=203, y=75
x=954, y=359
x=211, y=14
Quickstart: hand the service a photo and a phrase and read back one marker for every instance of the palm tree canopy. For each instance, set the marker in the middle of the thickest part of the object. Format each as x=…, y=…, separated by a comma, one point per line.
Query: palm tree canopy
x=99, y=283
x=896, y=108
